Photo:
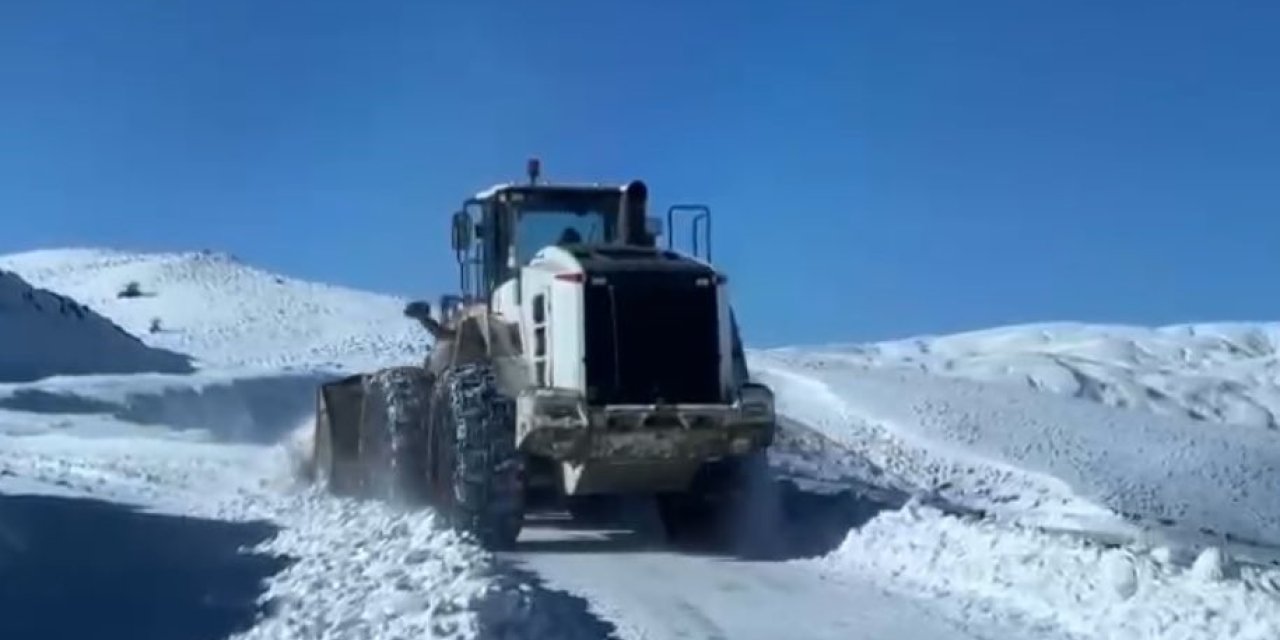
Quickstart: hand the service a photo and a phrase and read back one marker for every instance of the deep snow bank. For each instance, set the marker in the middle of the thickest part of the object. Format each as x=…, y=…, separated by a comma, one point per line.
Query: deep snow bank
x=43, y=334
x=1015, y=451
x=1221, y=372
x=367, y=571
x=1061, y=581
x=226, y=313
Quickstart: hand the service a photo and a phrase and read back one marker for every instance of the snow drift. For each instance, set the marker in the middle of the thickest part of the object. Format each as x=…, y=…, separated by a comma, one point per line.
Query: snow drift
x=43, y=333
x=257, y=406
x=1220, y=372
x=1061, y=582
x=1034, y=456
x=1159, y=503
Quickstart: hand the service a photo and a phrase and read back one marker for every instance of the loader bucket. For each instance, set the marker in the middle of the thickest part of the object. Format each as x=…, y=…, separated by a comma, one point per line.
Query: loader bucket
x=337, y=438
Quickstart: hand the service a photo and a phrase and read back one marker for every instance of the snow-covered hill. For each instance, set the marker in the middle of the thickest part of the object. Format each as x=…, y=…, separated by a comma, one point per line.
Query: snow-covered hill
x=1041, y=458
x=1153, y=441
x=44, y=334
x=1223, y=372
x=225, y=313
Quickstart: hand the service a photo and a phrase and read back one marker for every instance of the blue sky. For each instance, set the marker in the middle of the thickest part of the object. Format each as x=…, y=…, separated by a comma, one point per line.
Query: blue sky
x=878, y=169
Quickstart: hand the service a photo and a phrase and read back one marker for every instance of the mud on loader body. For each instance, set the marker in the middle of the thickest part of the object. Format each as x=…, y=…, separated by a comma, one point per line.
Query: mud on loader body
x=580, y=360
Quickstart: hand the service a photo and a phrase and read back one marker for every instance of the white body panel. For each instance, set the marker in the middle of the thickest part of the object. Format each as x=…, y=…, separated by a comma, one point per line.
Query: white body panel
x=566, y=369
x=568, y=340
x=551, y=320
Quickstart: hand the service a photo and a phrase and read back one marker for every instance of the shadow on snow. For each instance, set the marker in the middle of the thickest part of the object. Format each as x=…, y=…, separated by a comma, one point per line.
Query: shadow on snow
x=78, y=568
x=785, y=523
x=529, y=608
x=256, y=409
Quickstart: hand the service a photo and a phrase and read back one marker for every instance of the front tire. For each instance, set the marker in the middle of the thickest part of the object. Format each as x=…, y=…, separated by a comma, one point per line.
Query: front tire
x=476, y=470
x=394, y=435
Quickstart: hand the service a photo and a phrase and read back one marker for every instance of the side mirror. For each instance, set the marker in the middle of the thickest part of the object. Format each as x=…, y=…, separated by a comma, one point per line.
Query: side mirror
x=653, y=226
x=417, y=310
x=461, y=231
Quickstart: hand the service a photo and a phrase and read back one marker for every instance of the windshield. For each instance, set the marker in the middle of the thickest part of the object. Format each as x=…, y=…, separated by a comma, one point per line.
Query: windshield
x=538, y=229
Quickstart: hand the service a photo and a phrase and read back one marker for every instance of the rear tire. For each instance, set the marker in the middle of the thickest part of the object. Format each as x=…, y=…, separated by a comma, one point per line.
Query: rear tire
x=476, y=471
x=720, y=503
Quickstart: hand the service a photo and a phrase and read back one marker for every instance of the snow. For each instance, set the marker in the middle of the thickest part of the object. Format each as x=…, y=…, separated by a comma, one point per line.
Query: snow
x=215, y=443
x=1212, y=565
x=651, y=592
x=1154, y=468
x=1119, y=482
x=911, y=461
x=242, y=405
x=369, y=571
x=360, y=569
x=1220, y=372
x=1055, y=581
x=1105, y=516
x=225, y=313
x=44, y=334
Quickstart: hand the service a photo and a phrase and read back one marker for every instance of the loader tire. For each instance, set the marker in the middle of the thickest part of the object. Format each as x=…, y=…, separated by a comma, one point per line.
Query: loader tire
x=393, y=435
x=476, y=468
x=720, y=501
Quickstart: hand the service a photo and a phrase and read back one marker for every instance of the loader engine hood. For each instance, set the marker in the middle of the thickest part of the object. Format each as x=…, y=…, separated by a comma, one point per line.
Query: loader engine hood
x=609, y=260
x=654, y=330
x=614, y=259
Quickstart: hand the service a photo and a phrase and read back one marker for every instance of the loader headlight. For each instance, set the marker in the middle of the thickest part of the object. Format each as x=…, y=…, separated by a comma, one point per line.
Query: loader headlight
x=755, y=401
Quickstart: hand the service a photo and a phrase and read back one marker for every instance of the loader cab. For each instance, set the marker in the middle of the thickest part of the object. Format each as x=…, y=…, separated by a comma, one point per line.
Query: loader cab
x=501, y=229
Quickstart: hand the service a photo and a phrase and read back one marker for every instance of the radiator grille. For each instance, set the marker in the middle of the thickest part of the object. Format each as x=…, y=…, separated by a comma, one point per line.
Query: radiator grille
x=651, y=337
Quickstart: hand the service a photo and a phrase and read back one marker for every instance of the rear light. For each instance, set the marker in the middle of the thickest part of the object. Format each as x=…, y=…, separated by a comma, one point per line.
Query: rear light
x=756, y=401
x=571, y=277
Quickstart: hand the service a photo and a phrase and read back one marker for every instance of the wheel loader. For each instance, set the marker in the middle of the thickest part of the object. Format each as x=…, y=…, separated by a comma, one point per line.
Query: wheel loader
x=578, y=360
